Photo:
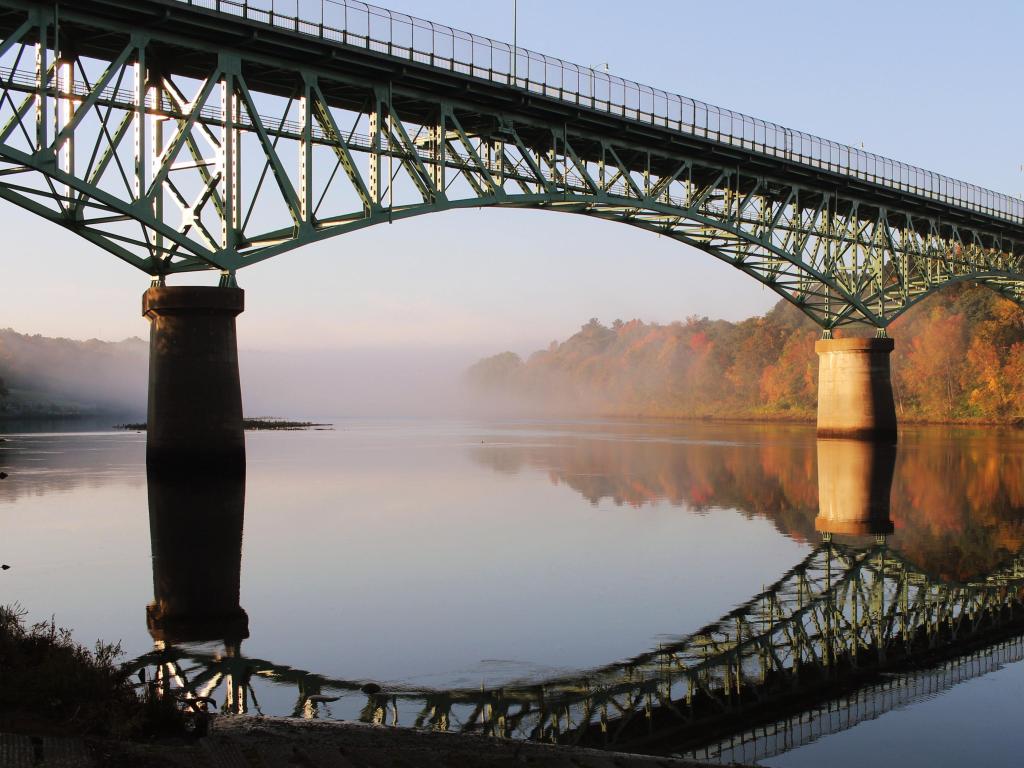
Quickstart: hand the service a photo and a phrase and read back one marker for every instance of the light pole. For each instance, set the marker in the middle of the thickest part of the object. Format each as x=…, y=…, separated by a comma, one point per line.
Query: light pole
x=515, y=37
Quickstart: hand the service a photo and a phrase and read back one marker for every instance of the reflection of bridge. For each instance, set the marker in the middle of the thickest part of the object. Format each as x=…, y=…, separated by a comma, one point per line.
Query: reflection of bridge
x=868, y=703
x=187, y=135
x=836, y=634
x=833, y=623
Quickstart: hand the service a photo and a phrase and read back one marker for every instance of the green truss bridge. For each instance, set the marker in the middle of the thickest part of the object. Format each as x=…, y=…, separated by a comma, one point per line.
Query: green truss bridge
x=189, y=135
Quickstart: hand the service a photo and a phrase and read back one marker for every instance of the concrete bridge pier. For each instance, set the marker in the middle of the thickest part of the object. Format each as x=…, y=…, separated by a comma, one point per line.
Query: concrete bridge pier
x=855, y=389
x=195, y=399
x=855, y=487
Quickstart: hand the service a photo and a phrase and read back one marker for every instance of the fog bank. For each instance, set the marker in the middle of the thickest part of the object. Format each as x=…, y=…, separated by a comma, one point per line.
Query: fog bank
x=338, y=383
x=48, y=376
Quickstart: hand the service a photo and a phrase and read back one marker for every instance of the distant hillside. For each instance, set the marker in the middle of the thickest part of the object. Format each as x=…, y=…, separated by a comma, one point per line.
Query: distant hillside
x=959, y=356
x=61, y=377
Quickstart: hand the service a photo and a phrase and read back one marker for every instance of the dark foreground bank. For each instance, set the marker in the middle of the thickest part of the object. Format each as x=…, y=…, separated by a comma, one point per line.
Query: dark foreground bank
x=62, y=704
x=287, y=743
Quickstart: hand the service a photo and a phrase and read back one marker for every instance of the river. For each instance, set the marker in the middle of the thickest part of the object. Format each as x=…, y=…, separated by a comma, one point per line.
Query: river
x=552, y=580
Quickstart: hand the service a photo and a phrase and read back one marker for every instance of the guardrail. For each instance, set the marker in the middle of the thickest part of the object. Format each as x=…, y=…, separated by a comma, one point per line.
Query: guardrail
x=353, y=23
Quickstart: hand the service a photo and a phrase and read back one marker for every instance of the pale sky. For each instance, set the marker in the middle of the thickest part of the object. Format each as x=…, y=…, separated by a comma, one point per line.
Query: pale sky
x=936, y=84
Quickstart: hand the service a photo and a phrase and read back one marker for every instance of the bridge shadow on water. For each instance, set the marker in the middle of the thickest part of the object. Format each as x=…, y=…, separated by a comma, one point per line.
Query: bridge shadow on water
x=867, y=621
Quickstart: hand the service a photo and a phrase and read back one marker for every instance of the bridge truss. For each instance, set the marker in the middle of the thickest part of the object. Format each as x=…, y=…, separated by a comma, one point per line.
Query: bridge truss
x=183, y=139
x=831, y=624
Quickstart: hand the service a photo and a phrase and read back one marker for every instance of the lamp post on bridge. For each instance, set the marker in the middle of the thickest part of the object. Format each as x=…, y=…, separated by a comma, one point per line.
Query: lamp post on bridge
x=515, y=38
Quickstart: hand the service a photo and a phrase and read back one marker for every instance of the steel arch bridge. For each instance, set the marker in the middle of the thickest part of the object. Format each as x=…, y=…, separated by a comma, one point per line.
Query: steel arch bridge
x=827, y=628
x=188, y=135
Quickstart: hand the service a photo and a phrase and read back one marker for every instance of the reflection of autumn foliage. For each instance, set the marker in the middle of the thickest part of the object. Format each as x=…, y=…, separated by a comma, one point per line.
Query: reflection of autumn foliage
x=959, y=503
x=959, y=355
x=957, y=497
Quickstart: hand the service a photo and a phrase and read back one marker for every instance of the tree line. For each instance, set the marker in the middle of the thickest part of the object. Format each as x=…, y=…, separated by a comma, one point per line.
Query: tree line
x=959, y=357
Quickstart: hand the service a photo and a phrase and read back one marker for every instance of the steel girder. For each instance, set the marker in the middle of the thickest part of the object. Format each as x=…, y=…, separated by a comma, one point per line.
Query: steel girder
x=842, y=613
x=177, y=155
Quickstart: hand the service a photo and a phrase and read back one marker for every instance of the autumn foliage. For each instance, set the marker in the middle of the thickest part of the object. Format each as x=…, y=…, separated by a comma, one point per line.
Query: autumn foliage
x=959, y=357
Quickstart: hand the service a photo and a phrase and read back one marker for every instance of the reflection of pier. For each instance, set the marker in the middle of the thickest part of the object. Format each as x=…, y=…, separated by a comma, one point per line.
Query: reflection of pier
x=831, y=625
x=196, y=535
x=854, y=487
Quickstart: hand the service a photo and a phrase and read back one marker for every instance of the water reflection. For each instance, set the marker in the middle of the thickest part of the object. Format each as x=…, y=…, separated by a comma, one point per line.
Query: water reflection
x=847, y=628
x=196, y=537
x=855, y=487
x=956, y=504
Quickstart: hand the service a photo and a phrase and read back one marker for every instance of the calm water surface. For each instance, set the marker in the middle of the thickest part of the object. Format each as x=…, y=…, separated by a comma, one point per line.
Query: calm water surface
x=483, y=572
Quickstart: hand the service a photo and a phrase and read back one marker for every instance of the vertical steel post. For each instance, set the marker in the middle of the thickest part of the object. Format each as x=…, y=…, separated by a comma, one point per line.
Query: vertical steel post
x=439, y=140
x=63, y=114
x=306, y=154
x=156, y=142
x=376, y=127
x=141, y=184
x=42, y=77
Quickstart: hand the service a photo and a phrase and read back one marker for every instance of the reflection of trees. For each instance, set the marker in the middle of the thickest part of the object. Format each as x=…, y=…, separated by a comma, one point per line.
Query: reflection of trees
x=959, y=502
x=957, y=495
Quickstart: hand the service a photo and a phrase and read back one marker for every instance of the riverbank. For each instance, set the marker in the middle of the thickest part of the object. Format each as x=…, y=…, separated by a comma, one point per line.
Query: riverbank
x=62, y=704
x=959, y=357
x=287, y=743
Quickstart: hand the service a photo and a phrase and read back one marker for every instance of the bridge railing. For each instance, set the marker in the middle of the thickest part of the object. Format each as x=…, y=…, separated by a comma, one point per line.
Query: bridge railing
x=353, y=23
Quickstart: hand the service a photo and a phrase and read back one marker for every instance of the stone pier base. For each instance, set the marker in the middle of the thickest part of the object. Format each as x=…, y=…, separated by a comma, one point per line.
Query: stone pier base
x=195, y=399
x=855, y=389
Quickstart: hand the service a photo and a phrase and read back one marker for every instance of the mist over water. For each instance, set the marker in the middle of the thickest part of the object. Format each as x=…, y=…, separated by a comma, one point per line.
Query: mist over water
x=54, y=376
x=371, y=382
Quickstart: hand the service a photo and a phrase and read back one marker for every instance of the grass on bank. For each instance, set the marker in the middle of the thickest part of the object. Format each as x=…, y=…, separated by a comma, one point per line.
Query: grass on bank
x=49, y=684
